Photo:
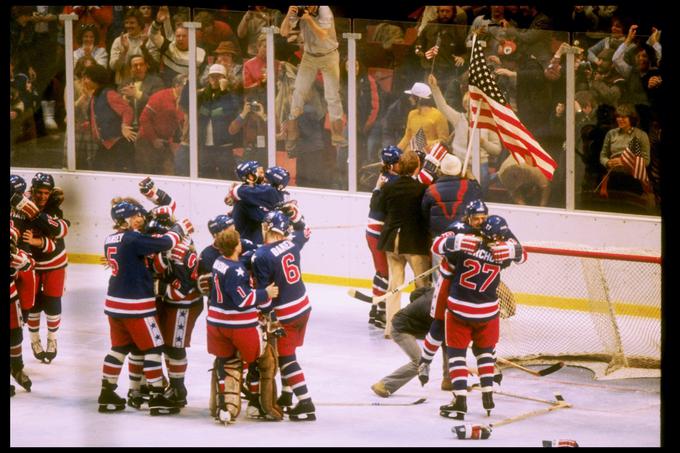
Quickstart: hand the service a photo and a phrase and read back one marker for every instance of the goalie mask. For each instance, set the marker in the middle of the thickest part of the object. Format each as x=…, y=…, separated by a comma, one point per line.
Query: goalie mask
x=495, y=228
x=278, y=222
x=277, y=177
x=219, y=223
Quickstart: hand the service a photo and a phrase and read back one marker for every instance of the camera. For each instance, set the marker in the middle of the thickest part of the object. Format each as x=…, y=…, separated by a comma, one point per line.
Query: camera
x=255, y=106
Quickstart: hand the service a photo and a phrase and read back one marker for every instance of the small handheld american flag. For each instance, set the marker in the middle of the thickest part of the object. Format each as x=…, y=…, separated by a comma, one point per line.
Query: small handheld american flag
x=418, y=141
x=632, y=158
x=434, y=50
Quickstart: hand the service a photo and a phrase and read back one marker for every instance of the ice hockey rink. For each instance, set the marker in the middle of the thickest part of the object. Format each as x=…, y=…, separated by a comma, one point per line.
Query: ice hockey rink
x=342, y=356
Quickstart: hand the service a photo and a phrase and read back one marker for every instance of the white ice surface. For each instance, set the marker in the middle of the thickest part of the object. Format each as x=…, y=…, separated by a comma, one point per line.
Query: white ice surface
x=342, y=356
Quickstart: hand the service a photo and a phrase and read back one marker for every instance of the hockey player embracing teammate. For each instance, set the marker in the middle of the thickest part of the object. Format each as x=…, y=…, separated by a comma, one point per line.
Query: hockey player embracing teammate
x=278, y=261
x=472, y=312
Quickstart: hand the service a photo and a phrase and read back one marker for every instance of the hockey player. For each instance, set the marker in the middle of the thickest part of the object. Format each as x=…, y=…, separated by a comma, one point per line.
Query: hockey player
x=472, y=312
x=19, y=261
x=131, y=305
x=234, y=334
x=475, y=214
x=278, y=261
x=390, y=159
x=45, y=234
x=247, y=218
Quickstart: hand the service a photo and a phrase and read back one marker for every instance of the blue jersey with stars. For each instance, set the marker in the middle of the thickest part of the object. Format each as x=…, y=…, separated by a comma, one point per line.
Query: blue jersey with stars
x=131, y=293
x=251, y=206
x=279, y=263
x=234, y=303
x=210, y=254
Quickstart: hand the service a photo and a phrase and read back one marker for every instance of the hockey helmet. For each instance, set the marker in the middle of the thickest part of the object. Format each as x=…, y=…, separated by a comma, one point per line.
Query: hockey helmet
x=125, y=209
x=278, y=222
x=42, y=180
x=219, y=223
x=476, y=207
x=17, y=184
x=495, y=228
x=277, y=177
x=390, y=155
x=247, y=168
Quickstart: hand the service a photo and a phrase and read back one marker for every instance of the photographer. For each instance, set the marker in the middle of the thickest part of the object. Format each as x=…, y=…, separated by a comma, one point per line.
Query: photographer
x=320, y=54
x=253, y=122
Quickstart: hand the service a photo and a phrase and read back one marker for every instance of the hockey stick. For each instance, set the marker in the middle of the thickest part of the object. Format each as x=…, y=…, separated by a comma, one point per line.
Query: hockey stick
x=359, y=295
x=481, y=431
x=544, y=372
x=404, y=285
x=515, y=395
x=376, y=403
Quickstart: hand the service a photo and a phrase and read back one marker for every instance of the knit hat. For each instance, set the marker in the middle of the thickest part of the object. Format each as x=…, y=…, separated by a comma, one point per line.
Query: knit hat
x=450, y=165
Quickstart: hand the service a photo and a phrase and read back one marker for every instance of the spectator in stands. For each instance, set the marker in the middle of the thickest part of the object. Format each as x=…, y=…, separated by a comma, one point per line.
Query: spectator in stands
x=606, y=83
x=393, y=122
x=404, y=238
x=132, y=42
x=226, y=54
x=317, y=27
x=100, y=16
x=160, y=125
x=615, y=142
x=535, y=37
x=424, y=116
x=449, y=32
x=110, y=123
x=147, y=16
x=252, y=123
x=525, y=183
x=255, y=71
x=86, y=146
x=492, y=28
x=217, y=108
x=213, y=32
x=619, y=29
x=174, y=54
x=489, y=141
x=139, y=86
x=369, y=99
x=250, y=27
x=87, y=38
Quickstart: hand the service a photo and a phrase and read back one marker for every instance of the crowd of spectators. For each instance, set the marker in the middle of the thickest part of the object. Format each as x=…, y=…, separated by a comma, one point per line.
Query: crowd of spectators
x=145, y=51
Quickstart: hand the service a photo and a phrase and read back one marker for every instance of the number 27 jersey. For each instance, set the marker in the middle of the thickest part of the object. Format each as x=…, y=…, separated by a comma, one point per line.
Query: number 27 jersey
x=279, y=262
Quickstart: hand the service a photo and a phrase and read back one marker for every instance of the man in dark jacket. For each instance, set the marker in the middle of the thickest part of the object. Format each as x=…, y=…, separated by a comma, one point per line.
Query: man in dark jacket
x=404, y=237
x=410, y=323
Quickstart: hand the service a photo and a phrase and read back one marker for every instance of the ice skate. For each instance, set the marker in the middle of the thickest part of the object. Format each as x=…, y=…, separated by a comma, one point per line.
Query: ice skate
x=137, y=399
x=159, y=404
x=303, y=411
x=109, y=400
x=38, y=351
x=177, y=393
x=254, y=410
x=285, y=400
x=372, y=314
x=457, y=409
x=22, y=379
x=380, y=321
x=380, y=389
x=487, y=402
x=51, y=352
x=12, y=390
x=423, y=373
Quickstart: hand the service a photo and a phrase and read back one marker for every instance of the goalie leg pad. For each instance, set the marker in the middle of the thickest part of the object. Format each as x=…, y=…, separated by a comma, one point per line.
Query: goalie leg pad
x=267, y=363
x=229, y=384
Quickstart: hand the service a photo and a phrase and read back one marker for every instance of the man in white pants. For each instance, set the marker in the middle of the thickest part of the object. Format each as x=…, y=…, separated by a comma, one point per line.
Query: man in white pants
x=320, y=54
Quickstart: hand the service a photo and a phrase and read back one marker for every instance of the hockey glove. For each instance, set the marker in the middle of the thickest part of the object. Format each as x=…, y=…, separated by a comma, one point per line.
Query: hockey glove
x=505, y=251
x=55, y=200
x=161, y=212
x=179, y=252
x=184, y=227
x=274, y=326
x=24, y=205
x=147, y=187
x=204, y=283
x=292, y=211
x=468, y=243
x=21, y=261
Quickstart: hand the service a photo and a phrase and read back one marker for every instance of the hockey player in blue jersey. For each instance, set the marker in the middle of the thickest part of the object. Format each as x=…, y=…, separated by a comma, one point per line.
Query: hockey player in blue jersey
x=131, y=303
x=234, y=334
x=278, y=261
x=472, y=312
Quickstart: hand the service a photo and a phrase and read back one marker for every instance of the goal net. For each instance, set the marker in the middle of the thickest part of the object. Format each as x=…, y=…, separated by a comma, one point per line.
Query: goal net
x=594, y=308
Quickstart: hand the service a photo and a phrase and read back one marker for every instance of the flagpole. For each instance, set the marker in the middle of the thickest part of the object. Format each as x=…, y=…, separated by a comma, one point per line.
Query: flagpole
x=436, y=43
x=474, y=126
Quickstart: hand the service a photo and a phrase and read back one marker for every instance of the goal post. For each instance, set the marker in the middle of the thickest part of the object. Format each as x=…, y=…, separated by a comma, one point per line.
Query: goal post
x=591, y=307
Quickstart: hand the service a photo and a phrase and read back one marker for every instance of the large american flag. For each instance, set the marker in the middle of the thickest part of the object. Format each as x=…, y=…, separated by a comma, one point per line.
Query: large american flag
x=632, y=158
x=497, y=115
x=418, y=141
